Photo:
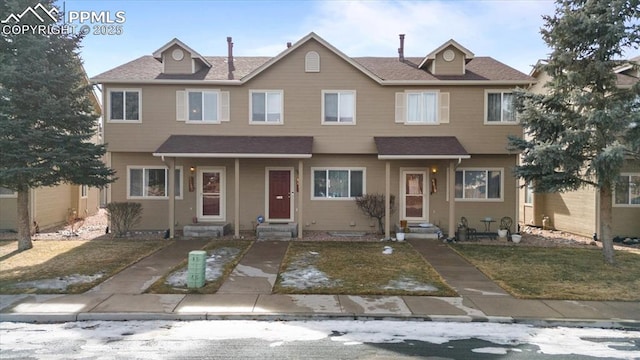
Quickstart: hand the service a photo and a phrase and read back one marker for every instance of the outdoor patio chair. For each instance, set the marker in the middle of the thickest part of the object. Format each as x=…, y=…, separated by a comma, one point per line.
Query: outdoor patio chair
x=506, y=223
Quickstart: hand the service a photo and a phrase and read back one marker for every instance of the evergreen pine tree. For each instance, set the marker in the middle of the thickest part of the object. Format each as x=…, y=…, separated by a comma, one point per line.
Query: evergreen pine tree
x=47, y=119
x=582, y=130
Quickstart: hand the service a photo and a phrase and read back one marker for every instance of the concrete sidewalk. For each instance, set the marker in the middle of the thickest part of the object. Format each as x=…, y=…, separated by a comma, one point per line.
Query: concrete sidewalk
x=246, y=294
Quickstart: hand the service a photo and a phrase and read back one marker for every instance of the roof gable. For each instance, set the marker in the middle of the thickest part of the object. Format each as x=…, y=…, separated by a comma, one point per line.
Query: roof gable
x=432, y=55
x=304, y=40
x=194, y=54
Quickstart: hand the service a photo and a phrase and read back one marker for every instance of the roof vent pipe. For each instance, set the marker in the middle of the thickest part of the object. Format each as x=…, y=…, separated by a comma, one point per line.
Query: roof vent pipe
x=401, y=48
x=230, y=58
x=289, y=44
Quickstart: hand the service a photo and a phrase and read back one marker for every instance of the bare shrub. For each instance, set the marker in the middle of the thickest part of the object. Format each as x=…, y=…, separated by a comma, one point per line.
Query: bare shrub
x=123, y=216
x=373, y=206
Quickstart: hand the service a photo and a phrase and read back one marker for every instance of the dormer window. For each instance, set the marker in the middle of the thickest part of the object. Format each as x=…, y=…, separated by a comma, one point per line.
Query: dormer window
x=177, y=58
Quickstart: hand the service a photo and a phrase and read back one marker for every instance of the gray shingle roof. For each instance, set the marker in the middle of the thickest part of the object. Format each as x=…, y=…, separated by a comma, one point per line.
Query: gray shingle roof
x=420, y=146
x=386, y=68
x=213, y=146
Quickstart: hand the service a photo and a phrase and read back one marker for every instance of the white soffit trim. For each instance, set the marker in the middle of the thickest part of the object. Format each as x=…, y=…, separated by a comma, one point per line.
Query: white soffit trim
x=233, y=156
x=422, y=157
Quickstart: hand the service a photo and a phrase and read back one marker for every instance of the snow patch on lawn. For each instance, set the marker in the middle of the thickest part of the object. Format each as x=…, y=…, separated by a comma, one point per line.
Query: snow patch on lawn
x=215, y=263
x=60, y=283
x=408, y=283
x=302, y=273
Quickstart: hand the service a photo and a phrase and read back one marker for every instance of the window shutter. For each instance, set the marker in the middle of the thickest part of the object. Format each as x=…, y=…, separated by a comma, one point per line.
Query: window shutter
x=181, y=108
x=224, y=106
x=444, y=108
x=401, y=112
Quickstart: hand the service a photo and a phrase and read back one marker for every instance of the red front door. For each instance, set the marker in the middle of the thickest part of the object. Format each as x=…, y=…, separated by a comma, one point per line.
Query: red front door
x=279, y=194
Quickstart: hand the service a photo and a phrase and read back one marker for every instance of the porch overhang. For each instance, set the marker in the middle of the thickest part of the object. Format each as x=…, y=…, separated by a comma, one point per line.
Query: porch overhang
x=220, y=146
x=420, y=147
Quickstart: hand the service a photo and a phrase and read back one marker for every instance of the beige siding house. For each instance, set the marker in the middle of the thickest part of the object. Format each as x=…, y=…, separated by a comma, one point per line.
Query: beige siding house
x=295, y=138
x=578, y=211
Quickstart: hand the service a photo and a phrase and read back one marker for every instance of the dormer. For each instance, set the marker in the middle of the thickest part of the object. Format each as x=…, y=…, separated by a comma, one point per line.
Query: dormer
x=177, y=58
x=450, y=58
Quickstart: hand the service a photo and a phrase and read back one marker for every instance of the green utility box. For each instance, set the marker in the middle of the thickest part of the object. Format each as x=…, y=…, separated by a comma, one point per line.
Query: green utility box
x=196, y=269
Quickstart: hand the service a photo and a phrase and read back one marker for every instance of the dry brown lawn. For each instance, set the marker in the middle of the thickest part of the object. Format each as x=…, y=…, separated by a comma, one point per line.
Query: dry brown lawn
x=55, y=259
x=557, y=273
x=360, y=268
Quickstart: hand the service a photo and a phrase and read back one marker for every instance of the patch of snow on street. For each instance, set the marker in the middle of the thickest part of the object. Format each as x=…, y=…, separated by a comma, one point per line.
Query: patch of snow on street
x=409, y=284
x=550, y=341
x=215, y=263
x=60, y=283
x=491, y=350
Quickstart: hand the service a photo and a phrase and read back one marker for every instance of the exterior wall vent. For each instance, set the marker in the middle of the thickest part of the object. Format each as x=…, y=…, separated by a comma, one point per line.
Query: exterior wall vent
x=312, y=62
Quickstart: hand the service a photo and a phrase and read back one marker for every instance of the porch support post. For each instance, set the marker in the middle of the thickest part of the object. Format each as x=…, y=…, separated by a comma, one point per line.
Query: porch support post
x=172, y=197
x=452, y=198
x=300, y=191
x=387, y=200
x=236, y=207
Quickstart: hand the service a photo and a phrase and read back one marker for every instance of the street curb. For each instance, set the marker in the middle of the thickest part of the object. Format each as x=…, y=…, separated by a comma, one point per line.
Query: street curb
x=50, y=318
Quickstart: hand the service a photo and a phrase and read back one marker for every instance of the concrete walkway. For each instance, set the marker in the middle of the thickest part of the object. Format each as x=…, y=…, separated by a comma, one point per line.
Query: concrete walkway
x=139, y=276
x=246, y=294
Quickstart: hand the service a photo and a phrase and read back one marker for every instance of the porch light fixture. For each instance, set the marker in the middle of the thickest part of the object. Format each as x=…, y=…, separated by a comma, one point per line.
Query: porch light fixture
x=434, y=169
x=192, y=169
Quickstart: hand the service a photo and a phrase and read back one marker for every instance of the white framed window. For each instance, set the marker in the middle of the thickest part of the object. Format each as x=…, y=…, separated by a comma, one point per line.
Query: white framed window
x=150, y=182
x=124, y=105
x=422, y=107
x=266, y=106
x=627, y=190
x=338, y=107
x=84, y=191
x=7, y=193
x=528, y=194
x=499, y=107
x=338, y=183
x=478, y=184
x=203, y=106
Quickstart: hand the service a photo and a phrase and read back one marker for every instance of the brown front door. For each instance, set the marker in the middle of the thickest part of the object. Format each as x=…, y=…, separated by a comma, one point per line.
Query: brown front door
x=279, y=194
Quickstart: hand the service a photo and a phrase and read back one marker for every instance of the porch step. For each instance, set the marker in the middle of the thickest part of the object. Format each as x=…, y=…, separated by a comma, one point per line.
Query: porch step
x=419, y=232
x=277, y=231
x=274, y=235
x=205, y=230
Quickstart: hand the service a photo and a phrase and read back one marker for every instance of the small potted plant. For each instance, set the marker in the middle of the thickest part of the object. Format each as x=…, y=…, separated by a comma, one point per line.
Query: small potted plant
x=516, y=238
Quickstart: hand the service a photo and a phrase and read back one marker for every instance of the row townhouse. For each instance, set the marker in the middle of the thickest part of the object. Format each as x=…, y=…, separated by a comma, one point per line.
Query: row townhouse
x=296, y=137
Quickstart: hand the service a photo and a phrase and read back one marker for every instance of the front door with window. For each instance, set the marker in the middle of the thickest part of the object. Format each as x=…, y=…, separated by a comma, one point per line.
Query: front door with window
x=414, y=199
x=211, y=194
x=279, y=196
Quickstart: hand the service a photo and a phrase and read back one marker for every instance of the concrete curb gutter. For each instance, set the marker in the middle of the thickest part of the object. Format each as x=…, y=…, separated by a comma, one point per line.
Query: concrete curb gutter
x=50, y=318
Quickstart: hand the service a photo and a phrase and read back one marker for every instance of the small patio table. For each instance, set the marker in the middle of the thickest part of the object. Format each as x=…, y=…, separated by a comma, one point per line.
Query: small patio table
x=487, y=224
